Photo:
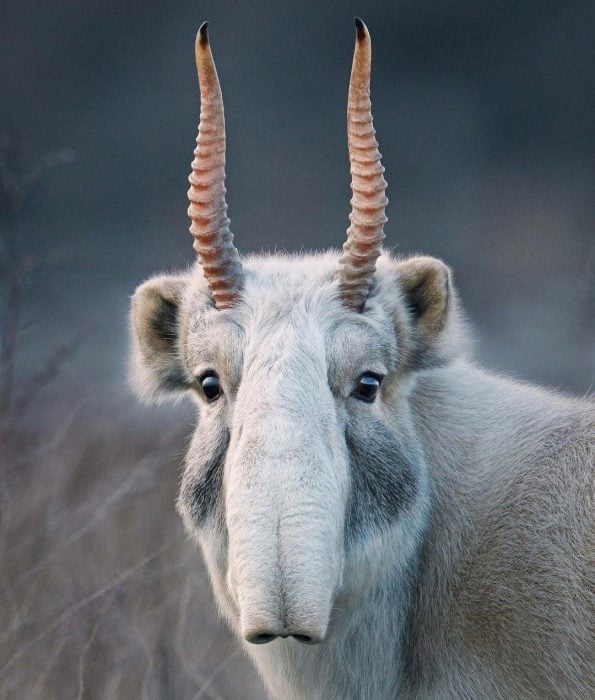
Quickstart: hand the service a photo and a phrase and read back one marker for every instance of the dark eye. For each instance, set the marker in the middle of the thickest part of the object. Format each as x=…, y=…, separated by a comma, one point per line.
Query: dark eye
x=367, y=387
x=211, y=386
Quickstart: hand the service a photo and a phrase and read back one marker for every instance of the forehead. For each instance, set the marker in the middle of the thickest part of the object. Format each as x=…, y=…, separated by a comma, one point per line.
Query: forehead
x=290, y=307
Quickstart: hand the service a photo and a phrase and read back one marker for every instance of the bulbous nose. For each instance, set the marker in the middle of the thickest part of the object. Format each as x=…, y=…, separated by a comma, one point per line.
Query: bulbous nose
x=264, y=636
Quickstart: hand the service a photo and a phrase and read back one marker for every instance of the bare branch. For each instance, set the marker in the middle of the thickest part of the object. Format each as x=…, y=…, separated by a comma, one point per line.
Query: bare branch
x=49, y=371
x=126, y=574
x=89, y=641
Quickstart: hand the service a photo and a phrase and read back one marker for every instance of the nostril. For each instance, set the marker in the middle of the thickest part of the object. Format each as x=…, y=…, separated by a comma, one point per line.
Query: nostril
x=260, y=638
x=305, y=639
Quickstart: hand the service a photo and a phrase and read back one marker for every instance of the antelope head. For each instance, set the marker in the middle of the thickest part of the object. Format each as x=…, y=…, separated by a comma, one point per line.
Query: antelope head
x=304, y=455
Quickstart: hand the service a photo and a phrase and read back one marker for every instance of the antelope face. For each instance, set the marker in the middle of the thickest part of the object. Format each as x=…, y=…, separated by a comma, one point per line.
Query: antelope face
x=299, y=461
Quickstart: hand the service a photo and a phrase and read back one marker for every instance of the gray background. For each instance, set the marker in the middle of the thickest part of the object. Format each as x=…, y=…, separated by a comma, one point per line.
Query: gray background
x=484, y=112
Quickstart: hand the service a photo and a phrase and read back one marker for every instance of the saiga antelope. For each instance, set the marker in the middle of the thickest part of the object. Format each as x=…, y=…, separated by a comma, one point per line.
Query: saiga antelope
x=380, y=518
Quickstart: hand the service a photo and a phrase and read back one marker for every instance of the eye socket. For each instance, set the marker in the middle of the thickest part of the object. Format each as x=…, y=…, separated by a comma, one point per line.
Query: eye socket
x=211, y=386
x=367, y=387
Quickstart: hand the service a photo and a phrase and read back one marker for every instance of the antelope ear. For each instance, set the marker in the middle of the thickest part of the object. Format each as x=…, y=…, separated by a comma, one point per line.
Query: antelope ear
x=156, y=366
x=426, y=287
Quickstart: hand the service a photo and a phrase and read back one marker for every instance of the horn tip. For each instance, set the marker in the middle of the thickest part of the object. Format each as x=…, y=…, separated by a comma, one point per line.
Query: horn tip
x=360, y=28
x=202, y=38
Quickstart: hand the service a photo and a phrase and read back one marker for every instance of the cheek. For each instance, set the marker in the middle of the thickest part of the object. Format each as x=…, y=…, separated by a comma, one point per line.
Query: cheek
x=201, y=496
x=384, y=477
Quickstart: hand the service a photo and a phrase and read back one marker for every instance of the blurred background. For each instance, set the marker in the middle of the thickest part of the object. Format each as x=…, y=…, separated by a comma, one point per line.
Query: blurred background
x=484, y=113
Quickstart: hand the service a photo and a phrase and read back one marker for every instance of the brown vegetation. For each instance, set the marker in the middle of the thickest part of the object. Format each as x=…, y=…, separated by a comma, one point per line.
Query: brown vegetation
x=102, y=594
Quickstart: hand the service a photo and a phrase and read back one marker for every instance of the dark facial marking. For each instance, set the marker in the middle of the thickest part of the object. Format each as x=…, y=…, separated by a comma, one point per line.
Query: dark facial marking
x=204, y=488
x=383, y=481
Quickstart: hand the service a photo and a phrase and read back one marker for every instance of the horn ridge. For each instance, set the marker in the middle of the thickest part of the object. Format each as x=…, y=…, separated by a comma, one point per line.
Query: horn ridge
x=213, y=239
x=365, y=235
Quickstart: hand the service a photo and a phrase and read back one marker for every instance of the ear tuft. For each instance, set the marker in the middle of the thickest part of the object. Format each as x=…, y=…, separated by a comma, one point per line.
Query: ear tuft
x=156, y=364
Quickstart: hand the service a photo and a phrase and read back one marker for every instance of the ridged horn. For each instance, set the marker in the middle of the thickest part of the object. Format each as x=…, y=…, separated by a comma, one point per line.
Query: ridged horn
x=368, y=204
x=213, y=241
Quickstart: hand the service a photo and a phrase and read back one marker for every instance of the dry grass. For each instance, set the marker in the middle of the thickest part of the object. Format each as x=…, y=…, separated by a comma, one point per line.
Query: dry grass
x=102, y=594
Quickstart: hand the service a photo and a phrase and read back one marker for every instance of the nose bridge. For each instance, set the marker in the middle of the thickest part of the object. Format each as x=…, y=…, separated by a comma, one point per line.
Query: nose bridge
x=285, y=421
x=284, y=402
x=284, y=456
